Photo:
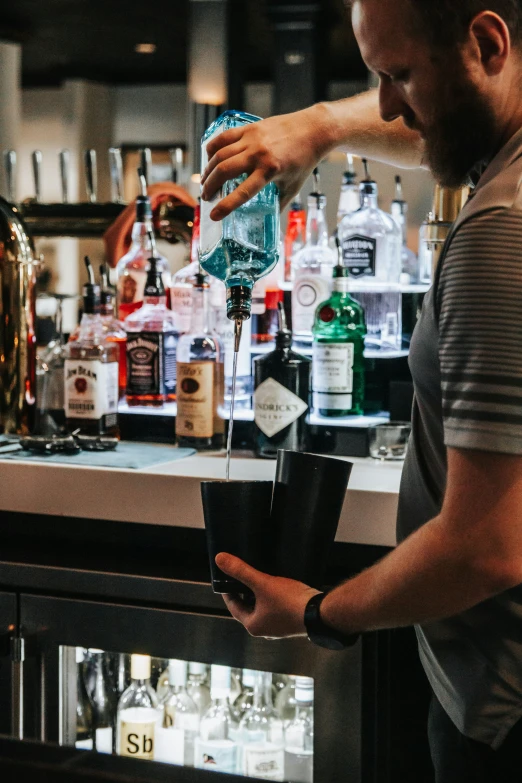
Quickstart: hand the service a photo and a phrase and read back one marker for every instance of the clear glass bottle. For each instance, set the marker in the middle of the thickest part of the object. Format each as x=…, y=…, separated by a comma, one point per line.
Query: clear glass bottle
x=281, y=397
x=350, y=197
x=285, y=701
x=138, y=713
x=216, y=746
x=84, y=717
x=338, y=352
x=91, y=372
x=246, y=698
x=224, y=327
x=399, y=211
x=180, y=725
x=151, y=345
x=313, y=268
x=183, y=281
x=103, y=705
x=295, y=236
x=199, y=421
x=244, y=246
x=197, y=687
x=113, y=329
x=299, y=735
x=371, y=241
x=261, y=734
x=133, y=266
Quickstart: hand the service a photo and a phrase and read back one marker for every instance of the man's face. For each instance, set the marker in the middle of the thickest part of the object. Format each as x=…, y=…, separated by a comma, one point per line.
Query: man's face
x=432, y=89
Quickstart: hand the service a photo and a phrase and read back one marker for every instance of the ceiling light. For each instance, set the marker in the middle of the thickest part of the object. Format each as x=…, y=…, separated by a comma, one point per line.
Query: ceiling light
x=145, y=48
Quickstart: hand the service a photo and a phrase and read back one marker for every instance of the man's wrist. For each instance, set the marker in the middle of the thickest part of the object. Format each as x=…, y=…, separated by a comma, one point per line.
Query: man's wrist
x=319, y=632
x=330, y=612
x=328, y=131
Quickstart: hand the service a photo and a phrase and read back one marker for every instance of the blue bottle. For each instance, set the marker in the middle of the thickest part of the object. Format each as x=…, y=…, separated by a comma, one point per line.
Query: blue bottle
x=243, y=247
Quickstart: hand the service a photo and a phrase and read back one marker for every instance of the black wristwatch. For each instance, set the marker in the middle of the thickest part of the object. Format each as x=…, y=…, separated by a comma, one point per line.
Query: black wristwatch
x=321, y=634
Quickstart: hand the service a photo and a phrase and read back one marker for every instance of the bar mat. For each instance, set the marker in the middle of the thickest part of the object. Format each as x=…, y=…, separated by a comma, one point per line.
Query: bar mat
x=127, y=455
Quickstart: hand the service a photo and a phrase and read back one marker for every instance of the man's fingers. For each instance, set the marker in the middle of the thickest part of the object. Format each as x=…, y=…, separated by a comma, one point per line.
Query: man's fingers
x=222, y=157
x=243, y=193
x=226, y=169
x=238, y=569
x=223, y=140
x=238, y=609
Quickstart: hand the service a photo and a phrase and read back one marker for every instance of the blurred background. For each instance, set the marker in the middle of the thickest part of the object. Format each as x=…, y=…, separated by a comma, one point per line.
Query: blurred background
x=80, y=74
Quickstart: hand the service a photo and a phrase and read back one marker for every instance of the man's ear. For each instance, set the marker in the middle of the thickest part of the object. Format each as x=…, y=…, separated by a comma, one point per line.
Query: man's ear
x=491, y=40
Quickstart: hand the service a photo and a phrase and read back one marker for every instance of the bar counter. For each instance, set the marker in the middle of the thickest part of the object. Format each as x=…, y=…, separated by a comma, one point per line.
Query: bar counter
x=169, y=494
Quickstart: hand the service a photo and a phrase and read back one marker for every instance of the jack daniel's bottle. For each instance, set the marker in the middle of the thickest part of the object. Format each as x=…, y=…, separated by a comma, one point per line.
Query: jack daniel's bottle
x=281, y=397
x=91, y=372
x=151, y=345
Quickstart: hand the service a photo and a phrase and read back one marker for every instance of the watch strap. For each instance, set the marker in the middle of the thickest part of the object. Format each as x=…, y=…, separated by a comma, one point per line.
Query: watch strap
x=321, y=634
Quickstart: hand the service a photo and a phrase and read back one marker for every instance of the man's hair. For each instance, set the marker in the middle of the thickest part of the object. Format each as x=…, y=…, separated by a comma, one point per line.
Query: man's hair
x=446, y=22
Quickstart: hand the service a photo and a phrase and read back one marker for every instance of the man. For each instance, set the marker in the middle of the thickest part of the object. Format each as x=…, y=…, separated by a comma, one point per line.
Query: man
x=450, y=76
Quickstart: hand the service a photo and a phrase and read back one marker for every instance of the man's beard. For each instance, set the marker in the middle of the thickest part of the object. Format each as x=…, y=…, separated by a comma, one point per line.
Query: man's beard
x=462, y=134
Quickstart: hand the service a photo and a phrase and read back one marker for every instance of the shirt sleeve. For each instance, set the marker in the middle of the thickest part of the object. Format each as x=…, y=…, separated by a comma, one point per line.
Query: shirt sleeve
x=480, y=334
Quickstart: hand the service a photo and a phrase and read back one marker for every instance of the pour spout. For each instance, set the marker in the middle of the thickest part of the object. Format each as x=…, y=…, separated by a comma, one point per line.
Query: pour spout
x=238, y=330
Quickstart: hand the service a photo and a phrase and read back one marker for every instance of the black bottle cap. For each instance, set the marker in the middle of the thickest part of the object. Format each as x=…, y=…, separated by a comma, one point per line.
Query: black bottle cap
x=239, y=302
x=201, y=280
x=154, y=285
x=91, y=292
x=284, y=335
x=108, y=294
x=340, y=271
x=143, y=209
x=368, y=185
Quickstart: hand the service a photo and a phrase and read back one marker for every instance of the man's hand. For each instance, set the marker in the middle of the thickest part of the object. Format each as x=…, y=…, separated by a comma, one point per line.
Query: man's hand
x=280, y=603
x=284, y=149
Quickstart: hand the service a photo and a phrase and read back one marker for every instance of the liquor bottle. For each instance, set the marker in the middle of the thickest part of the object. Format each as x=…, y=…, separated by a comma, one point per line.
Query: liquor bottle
x=112, y=328
x=350, y=198
x=132, y=267
x=224, y=327
x=91, y=372
x=266, y=323
x=281, y=396
x=261, y=734
x=246, y=698
x=84, y=719
x=244, y=246
x=338, y=352
x=216, y=747
x=138, y=712
x=371, y=242
x=299, y=735
x=199, y=423
x=151, y=345
x=409, y=261
x=197, y=687
x=176, y=736
x=103, y=706
x=183, y=281
x=295, y=236
x=285, y=702
x=313, y=268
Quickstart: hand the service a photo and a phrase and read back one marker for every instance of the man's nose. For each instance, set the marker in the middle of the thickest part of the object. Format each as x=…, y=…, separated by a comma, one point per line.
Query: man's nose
x=391, y=104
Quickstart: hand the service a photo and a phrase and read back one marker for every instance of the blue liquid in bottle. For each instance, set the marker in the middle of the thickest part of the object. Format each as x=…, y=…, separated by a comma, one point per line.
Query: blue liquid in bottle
x=243, y=247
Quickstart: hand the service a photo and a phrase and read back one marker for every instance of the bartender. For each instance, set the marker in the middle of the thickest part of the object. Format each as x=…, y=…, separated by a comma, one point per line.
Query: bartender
x=450, y=98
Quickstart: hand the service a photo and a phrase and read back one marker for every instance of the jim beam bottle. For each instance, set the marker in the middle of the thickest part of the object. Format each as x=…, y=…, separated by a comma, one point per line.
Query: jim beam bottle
x=138, y=712
x=152, y=340
x=91, y=372
x=200, y=390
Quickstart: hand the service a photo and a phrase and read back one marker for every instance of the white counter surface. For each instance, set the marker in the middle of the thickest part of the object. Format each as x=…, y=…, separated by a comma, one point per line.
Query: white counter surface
x=169, y=494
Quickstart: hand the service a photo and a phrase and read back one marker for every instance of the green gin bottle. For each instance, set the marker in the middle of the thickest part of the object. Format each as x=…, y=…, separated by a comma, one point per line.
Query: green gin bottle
x=338, y=352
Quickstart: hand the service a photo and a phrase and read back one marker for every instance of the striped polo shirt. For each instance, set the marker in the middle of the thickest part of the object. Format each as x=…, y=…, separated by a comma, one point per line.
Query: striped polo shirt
x=466, y=362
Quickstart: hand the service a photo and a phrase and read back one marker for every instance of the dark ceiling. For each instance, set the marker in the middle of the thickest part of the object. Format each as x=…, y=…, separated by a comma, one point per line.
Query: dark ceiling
x=95, y=39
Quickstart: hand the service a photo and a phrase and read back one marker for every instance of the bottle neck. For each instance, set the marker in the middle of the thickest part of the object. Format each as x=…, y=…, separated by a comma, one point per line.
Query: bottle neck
x=141, y=234
x=369, y=201
x=91, y=327
x=199, y=322
x=316, y=226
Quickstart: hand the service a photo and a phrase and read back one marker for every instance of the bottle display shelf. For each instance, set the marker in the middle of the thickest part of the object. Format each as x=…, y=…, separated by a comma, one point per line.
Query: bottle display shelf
x=264, y=348
x=413, y=288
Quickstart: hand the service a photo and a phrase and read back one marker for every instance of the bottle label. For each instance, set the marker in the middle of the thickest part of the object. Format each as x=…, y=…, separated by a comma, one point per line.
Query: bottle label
x=359, y=254
x=137, y=739
x=216, y=755
x=131, y=286
x=332, y=370
x=91, y=389
x=309, y=292
x=151, y=363
x=199, y=392
x=170, y=745
x=276, y=407
x=181, y=297
x=264, y=761
x=104, y=740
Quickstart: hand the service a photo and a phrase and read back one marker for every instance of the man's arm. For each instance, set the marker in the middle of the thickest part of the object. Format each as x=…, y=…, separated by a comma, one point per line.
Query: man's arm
x=286, y=148
x=469, y=553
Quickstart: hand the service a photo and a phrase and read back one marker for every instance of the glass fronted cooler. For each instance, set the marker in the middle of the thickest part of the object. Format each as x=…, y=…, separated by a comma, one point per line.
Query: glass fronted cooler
x=253, y=723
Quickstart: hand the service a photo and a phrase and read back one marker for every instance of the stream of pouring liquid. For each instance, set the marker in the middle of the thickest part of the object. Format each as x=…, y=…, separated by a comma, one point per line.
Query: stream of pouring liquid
x=238, y=327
